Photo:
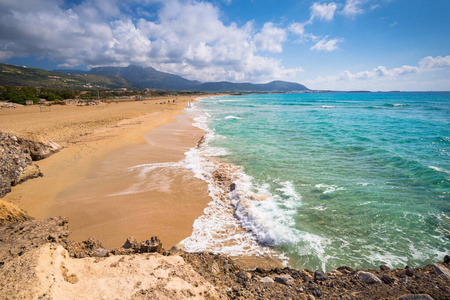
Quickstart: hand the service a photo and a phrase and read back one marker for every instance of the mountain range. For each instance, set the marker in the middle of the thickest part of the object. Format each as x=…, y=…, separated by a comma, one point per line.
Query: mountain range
x=150, y=78
x=133, y=77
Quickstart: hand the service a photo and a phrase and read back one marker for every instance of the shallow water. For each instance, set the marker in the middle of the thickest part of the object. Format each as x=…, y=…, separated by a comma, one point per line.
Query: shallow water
x=330, y=179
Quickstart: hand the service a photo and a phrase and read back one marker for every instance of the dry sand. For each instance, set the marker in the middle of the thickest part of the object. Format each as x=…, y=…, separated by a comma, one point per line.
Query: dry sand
x=119, y=174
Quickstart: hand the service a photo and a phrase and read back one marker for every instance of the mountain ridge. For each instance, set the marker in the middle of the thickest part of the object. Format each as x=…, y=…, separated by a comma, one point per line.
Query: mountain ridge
x=132, y=77
x=148, y=77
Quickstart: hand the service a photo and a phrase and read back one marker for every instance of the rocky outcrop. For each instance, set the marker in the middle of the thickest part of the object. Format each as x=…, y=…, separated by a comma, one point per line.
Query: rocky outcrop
x=18, y=238
x=10, y=213
x=15, y=163
x=16, y=160
x=38, y=260
x=39, y=150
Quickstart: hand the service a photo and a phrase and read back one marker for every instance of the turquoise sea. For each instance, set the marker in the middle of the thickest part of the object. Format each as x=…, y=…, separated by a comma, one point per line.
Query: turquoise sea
x=327, y=179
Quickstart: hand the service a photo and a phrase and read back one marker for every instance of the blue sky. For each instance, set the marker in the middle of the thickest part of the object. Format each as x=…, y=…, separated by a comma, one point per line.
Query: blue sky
x=340, y=45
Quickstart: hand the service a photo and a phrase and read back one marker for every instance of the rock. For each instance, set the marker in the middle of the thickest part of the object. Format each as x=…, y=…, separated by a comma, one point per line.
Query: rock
x=320, y=276
x=368, y=278
x=447, y=259
x=18, y=238
x=384, y=268
x=409, y=271
x=14, y=160
x=266, y=279
x=177, y=247
x=244, y=275
x=10, y=213
x=100, y=252
x=215, y=268
x=152, y=245
x=441, y=270
x=131, y=243
x=346, y=269
x=232, y=187
x=39, y=150
x=388, y=280
x=416, y=297
x=285, y=279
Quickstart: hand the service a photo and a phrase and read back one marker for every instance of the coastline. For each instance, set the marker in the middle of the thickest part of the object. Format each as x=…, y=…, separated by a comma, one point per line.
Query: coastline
x=98, y=141
x=31, y=250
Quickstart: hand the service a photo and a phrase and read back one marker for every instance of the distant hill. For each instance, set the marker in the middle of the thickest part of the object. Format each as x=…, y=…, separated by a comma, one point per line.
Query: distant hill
x=274, y=86
x=148, y=77
x=22, y=76
x=132, y=77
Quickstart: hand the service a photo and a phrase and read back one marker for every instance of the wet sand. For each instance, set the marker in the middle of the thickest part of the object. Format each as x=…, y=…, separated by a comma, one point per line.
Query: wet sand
x=119, y=178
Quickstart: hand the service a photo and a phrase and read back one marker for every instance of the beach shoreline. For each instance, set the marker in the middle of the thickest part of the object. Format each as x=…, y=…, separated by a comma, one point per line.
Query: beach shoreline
x=84, y=181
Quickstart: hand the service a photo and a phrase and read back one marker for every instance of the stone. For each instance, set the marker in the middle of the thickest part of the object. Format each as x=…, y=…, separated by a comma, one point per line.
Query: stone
x=244, y=275
x=346, y=269
x=285, y=279
x=320, y=276
x=384, y=268
x=388, y=280
x=232, y=187
x=416, y=297
x=409, y=272
x=441, y=270
x=266, y=279
x=368, y=278
x=152, y=245
x=447, y=259
x=177, y=247
x=39, y=150
x=131, y=243
x=100, y=252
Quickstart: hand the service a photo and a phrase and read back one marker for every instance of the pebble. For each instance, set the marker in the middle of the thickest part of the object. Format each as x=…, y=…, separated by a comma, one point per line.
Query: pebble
x=441, y=270
x=320, y=276
x=367, y=277
x=285, y=279
x=267, y=279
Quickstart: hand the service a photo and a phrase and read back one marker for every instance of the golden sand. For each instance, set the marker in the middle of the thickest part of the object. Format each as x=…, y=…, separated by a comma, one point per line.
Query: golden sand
x=119, y=174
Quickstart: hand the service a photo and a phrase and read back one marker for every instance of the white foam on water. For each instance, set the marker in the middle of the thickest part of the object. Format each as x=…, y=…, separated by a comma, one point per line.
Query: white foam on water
x=328, y=106
x=232, y=118
x=439, y=169
x=248, y=219
x=329, y=188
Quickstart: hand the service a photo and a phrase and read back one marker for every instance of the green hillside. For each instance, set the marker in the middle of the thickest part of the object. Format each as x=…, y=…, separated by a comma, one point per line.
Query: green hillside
x=11, y=75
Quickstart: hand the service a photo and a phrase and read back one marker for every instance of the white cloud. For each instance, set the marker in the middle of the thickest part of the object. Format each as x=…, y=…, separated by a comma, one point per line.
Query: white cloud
x=323, y=11
x=270, y=38
x=430, y=72
x=297, y=28
x=435, y=62
x=184, y=37
x=326, y=45
x=352, y=8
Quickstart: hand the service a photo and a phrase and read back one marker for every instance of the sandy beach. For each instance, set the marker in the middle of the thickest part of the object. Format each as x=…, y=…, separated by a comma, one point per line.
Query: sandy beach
x=119, y=173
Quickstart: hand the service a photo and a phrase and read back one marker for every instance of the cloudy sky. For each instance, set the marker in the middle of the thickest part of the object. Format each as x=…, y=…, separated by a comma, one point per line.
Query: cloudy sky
x=340, y=44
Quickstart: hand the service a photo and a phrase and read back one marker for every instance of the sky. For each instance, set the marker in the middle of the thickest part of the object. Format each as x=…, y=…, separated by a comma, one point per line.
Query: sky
x=377, y=45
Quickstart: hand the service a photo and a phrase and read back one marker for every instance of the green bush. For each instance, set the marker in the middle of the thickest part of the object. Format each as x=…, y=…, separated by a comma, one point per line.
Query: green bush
x=50, y=97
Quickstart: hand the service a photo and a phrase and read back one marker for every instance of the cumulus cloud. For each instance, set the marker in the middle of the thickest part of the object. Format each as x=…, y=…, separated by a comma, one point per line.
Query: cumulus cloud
x=352, y=8
x=381, y=73
x=323, y=11
x=270, y=38
x=183, y=37
x=326, y=45
x=435, y=62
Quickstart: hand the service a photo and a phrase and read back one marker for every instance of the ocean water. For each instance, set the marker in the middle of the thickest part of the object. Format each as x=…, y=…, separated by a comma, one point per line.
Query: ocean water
x=325, y=180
